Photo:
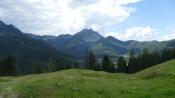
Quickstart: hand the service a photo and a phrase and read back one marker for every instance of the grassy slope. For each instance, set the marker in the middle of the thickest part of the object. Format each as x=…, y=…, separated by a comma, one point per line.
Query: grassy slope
x=155, y=82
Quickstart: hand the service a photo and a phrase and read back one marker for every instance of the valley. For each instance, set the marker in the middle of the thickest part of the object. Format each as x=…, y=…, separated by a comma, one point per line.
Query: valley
x=87, y=49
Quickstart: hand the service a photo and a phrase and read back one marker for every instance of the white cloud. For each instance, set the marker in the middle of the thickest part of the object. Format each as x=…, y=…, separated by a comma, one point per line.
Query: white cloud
x=55, y=17
x=136, y=33
x=167, y=37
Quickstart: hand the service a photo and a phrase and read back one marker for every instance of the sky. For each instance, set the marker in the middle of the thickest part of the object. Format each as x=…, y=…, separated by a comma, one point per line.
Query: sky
x=142, y=20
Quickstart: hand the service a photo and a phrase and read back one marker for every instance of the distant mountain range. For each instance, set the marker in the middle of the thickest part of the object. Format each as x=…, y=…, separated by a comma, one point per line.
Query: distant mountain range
x=76, y=45
x=41, y=48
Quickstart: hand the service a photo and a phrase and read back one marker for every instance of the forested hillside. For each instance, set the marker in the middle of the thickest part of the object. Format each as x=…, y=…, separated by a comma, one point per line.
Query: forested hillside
x=31, y=55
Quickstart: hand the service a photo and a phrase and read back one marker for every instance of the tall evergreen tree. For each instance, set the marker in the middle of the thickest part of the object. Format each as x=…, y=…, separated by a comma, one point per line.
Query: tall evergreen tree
x=146, y=57
x=1, y=68
x=86, y=59
x=156, y=59
x=121, y=65
x=90, y=60
x=132, y=63
x=106, y=64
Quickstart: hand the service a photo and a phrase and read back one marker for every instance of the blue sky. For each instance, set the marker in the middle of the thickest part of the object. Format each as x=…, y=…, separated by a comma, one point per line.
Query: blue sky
x=142, y=20
x=159, y=14
x=150, y=12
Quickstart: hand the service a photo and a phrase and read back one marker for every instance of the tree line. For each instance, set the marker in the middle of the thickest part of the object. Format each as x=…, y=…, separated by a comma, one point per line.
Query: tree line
x=134, y=64
x=148, y=59
x=8, y=66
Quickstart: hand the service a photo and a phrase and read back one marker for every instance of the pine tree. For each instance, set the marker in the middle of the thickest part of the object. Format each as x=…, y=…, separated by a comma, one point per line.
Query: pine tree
x=1, y=70
x=106, y=64
x=132, y=63
x=90, y=61
x=156, y=59
x=121, y=65
x=146, y=57
x=86, y=59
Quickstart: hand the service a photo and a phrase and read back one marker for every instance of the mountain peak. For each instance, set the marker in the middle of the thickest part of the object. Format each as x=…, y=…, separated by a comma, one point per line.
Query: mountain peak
x=113, y=39
x=88, y=31
x=8, y=29
x=2, y=23
x=64, y=36
x=88, y=35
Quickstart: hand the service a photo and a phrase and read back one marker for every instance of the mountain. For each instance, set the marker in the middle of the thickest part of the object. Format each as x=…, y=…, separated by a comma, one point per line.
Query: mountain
x=171, y=43
x=87, y=35
x=72, y=44
x=77, y=44
x=28, y=51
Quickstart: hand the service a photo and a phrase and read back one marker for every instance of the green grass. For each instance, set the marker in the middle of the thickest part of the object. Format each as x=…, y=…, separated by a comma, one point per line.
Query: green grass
x=155, y=82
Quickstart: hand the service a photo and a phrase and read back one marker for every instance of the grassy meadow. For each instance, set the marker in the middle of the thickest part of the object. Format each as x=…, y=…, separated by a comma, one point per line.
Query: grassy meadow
x=155, y=82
